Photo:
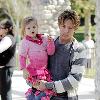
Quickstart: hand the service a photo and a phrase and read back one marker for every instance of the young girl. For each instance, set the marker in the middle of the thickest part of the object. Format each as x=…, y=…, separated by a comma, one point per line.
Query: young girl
x=35, y=47
x=7, y=58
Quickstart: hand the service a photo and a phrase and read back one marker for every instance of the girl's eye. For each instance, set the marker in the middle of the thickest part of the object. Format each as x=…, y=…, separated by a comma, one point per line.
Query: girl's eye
x=28, y=28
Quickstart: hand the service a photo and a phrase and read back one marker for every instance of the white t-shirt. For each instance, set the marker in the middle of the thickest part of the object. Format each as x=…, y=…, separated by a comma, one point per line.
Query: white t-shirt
x=89, y=44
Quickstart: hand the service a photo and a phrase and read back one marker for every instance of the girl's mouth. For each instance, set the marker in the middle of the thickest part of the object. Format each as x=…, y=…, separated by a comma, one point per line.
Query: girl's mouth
x=32, y=32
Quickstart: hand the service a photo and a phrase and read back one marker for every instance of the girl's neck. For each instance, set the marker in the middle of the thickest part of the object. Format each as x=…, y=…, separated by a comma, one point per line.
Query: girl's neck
x=35, y=37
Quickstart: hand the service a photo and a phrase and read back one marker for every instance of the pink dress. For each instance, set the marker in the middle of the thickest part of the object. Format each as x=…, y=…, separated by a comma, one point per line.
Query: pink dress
x=36, y=51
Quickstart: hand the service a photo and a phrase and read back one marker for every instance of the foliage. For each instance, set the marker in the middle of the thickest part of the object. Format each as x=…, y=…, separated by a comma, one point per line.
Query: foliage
x=81, y=29
x=90, y=72
x=79, y=34
x=17, y=9
x=4, y=14
x=82, y=5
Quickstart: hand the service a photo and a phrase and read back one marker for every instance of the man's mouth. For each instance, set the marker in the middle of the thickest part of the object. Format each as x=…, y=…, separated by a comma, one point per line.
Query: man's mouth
x=0, y=35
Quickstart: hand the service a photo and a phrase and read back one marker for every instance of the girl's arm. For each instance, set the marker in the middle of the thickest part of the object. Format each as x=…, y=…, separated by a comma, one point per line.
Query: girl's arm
x=22, y=61
x=50, y=46
x=23, y=50
x=5, y=43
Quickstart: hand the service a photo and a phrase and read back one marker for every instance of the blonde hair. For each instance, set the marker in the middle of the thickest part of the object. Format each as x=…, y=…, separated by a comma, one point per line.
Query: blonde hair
x=25, y=22
x=69, y=15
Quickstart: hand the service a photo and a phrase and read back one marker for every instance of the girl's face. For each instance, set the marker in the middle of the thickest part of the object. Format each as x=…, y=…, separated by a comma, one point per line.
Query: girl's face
x=3, y=32
x=31, y=29
x=66, y=30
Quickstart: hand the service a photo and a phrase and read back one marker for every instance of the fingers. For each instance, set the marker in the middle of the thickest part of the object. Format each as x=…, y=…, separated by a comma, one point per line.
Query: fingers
x=50, y=38
x=36, y=85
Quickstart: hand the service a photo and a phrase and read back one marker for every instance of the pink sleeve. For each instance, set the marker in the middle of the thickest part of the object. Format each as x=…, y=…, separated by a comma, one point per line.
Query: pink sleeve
x=23, y=51
x=50, y=47
x=22, y=62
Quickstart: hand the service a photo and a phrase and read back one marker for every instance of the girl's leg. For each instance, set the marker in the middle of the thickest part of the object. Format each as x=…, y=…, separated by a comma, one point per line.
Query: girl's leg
x=31, y=95
x=40, y=95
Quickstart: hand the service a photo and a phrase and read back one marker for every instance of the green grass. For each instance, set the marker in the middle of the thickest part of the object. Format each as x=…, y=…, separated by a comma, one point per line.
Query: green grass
x=79, y=34
x=81, y=29
x=90, y=73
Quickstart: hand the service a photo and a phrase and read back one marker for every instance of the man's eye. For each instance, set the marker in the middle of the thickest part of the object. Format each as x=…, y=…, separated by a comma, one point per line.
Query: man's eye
x=70, y=28
x=64, y=26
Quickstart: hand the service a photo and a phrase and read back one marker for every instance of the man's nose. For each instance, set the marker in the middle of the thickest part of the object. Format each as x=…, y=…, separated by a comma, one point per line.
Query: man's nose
x=66, y=30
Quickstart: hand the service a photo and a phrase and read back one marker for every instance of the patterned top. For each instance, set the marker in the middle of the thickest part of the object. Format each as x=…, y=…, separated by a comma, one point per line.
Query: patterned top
x=66, y=78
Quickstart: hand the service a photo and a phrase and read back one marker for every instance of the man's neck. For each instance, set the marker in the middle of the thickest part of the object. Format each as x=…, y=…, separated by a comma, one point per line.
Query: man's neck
x=63, y=41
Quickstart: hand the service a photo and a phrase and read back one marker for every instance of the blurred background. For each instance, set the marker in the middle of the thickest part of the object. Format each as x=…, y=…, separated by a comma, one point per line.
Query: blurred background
x=47, y=11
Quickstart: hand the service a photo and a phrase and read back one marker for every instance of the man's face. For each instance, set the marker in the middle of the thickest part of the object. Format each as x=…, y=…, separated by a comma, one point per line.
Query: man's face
x=67, y=30
x=31, y=29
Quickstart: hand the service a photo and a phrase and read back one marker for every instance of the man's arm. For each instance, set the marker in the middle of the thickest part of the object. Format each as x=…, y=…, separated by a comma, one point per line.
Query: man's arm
x=74, y=76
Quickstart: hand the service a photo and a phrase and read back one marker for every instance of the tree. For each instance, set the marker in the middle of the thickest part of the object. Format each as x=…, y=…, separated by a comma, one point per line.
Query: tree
x=16, y=10
x=97, y=78
x=4, y=14
x=47, y=11
x=85, y=8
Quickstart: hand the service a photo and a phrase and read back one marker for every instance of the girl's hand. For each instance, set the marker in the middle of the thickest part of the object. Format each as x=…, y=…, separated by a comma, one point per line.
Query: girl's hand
x=50, y=38
x=25, y=74
x=41, y=85
x=36, y=84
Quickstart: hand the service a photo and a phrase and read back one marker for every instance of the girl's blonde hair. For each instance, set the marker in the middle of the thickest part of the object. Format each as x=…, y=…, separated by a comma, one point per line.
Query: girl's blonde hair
x=25, y=22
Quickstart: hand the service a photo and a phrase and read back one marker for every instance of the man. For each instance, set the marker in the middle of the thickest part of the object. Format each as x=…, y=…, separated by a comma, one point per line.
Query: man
x=67, y=64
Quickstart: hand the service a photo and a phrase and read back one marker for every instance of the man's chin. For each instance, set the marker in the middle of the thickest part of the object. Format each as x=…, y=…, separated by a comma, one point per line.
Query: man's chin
x=64, y=37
